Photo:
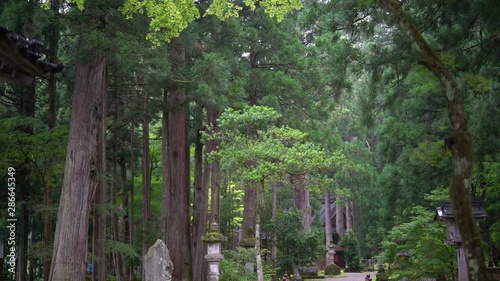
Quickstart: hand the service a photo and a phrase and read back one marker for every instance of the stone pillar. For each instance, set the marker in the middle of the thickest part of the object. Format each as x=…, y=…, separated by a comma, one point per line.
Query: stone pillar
x=157, y=263
x=214, y=255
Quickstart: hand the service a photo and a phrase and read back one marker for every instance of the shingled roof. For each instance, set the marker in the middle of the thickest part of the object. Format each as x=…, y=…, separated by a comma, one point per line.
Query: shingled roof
x=21, y=59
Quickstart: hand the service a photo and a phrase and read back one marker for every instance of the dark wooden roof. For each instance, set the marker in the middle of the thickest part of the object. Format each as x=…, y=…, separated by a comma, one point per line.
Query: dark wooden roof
x=21, y=59
x=445, y=210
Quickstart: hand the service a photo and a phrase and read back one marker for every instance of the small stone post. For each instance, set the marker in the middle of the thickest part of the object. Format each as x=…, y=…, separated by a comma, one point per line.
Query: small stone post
x=213, y=239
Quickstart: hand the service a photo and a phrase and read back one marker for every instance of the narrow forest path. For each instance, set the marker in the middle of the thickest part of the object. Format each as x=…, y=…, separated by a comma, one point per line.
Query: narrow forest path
x=353, y=276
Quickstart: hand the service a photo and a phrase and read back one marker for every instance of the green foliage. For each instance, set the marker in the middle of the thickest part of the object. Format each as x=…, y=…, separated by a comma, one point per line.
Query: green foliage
x=170, y=18
x=416, y=249
x=351, y=253
x=121, y=248
x=233, y=265
x=271, y=150
x=492, y=177
x=296, y=247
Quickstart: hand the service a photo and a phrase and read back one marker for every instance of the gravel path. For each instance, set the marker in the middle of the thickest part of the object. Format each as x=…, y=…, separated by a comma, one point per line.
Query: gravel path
x=353, y=276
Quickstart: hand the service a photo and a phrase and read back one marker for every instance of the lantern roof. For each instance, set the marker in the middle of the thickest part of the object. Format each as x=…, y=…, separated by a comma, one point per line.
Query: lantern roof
x=445, y=210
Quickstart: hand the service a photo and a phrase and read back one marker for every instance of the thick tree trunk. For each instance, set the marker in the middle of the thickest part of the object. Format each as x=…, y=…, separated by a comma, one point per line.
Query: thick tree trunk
x=460, y=144
x=200, y=206
x=69, y=256
x=301, y=198
x=178, y=219
x=165, y=168
x=248, y=210
x=348, y=216
x=100, y=214
x=328, y=226
x=247, y=225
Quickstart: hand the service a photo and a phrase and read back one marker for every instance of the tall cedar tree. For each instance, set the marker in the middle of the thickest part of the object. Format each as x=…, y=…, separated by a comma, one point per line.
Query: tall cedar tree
x=178, y=217
x=69, y=256
x=460, y=143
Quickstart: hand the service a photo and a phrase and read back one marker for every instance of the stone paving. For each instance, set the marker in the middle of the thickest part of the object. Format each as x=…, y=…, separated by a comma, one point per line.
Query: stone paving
x=354, y=276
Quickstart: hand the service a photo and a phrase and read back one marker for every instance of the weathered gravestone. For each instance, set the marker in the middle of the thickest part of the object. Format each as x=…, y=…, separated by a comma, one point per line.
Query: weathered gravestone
x=157, y=263
x=308, y=271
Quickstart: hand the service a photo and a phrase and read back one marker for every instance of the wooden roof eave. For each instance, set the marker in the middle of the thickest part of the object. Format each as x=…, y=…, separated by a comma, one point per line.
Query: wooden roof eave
x=19, y=59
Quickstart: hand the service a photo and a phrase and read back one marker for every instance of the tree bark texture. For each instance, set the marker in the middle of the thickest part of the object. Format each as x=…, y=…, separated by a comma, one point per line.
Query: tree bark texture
x=69, y=256
x=300, y=184
x=200, y=206
x=348, y=216
x=328, y=226
x=165, y=168
x=178, y=219
x=460, y=143
x=249, y=200
x=100, y=214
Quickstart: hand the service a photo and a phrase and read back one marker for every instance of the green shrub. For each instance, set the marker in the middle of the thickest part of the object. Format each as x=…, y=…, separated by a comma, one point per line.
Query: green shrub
x=351, y=253
x=332, y=269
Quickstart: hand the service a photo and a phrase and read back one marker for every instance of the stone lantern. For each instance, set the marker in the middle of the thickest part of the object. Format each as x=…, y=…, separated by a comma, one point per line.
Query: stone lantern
x=331, y=254
x=445, y=213
x=214, y=255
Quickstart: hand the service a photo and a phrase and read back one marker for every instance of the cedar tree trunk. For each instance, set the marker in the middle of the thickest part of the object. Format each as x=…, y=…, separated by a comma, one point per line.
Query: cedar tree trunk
x=328, y=226
x=301, y=198
x=460, y=144
x=200, y=206
x=98, y=249
x=348, y=216
x=69, y=256
x=178, y=218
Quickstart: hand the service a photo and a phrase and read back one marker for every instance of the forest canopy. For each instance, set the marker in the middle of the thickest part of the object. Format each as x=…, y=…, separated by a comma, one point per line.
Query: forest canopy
x=172, y=115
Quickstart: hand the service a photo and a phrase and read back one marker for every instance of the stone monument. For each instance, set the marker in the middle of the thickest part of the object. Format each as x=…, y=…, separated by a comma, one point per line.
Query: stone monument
x=157, y=263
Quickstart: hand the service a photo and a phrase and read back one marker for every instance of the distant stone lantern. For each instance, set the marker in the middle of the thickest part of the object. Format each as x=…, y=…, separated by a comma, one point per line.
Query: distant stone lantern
x=445, y=213
x=331, y=254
